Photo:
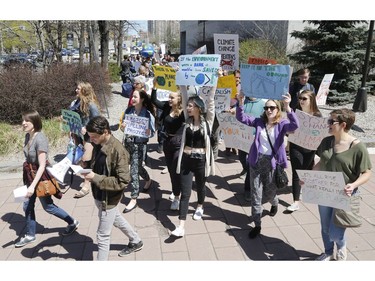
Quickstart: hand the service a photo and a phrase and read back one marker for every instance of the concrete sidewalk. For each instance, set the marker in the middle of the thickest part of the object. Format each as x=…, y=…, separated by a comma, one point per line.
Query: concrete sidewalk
x=222, y=235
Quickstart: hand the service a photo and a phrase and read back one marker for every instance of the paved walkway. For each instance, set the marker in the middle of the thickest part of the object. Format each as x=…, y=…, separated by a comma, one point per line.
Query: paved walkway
x=222, y=235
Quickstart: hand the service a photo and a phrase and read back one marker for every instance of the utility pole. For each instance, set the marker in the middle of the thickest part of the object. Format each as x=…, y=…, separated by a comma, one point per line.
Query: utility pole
x=360, y=103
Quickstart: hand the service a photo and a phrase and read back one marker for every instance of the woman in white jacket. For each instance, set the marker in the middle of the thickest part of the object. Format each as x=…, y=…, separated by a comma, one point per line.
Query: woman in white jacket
x=195, y=156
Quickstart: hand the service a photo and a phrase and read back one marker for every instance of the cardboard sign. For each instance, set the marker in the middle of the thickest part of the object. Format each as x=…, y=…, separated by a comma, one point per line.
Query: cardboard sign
x=265, y=81
x=253, y=60
x=324, y=188
x=163, y=95
x=200, y=70
x=228, y=46
x=166, y=77
x=71, y=122
x=311, y=131
x=222, y=98
x=136, y=125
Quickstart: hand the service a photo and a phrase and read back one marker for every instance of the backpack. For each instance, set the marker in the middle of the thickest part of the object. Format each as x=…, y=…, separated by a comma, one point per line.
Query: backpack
x=127, y=89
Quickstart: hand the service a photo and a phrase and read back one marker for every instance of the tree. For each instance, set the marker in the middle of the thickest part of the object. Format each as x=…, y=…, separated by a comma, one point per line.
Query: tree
x=334, y=47
x=261, y=49
x=104, y=42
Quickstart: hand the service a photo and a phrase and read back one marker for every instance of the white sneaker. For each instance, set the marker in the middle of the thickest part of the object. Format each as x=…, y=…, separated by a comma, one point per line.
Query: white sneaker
x=171, y=196
x=198, y=213
x=324, y=257
x=178, y=232
x=341, y=254
x=293, y=207
x=175, y=204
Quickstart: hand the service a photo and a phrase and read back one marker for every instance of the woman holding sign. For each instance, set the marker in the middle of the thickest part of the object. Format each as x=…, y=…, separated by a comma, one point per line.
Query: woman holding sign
x=172, y=118
x=195, y=157
x=341, y=152
x=302, y=158
x=136, y=145
x=270, y=130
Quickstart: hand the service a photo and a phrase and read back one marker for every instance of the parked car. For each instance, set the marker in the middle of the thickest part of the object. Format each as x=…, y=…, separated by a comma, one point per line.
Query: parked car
x=75, y=54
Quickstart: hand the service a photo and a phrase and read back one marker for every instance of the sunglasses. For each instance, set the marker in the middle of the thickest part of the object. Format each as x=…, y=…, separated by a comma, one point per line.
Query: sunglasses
x=303, y=98
x=331, y=121
x=269, y=107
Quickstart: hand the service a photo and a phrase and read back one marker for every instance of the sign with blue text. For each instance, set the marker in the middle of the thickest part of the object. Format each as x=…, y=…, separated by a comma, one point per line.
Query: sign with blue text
x=200, y=70
x=265, y=81
x=136, y=125
x=71, y=122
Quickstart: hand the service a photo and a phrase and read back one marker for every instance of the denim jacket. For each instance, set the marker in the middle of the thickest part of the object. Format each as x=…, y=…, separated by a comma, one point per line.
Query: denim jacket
x=151, y=125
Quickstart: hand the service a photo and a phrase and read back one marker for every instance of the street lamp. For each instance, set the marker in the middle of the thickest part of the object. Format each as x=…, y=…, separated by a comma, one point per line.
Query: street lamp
x=360, y=102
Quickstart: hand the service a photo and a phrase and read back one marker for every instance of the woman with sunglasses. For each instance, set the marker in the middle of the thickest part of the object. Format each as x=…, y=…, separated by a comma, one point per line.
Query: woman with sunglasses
x=270, y=127
x=302, y=158
x=341, y=152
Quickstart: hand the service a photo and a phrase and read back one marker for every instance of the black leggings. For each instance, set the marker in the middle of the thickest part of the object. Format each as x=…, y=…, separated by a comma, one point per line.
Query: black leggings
x=301, y=159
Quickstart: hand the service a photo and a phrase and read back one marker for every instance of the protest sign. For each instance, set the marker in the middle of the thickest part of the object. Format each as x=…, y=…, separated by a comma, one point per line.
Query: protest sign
x=222, y=98
x=163, y=95
x=321, y=96
x=200, y=70
x=236, y=134
x=265, y=81
x=310, y=132
x=253, y=60
x=71, y=122
x=200, y=51
x=166, y=77
x=324, y=188
x=228, y=81
x=136, y=125
x=228, y=46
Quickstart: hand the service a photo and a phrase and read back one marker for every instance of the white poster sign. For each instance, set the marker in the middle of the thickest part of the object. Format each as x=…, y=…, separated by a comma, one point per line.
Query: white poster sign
x=321, y=96
x=236, y=134
x=200, y=70
x=228, y=46
x=136, y=125
x=222, y=98
x=163, y=95
x=310, y=132
x=324, y=188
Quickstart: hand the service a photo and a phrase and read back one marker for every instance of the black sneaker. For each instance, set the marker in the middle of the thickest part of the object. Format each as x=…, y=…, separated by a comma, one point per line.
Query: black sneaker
x=254, y=232
x=70, y=228
x=273, y=211
x=130, y=248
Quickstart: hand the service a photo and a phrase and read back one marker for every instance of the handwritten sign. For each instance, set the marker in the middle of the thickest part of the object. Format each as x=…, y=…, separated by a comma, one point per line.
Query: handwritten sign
x=200, y=70
x=222, y=98
x=253, y=60
x=71, y=121
x=321, y=96
x=310, y=132
x=228, y=81
x=236, y=134
x=163, y=95
x=166, y=77
x=136, y=125
x=324, y=188
x=265, y=81
x=228, y=46
x=148, y=85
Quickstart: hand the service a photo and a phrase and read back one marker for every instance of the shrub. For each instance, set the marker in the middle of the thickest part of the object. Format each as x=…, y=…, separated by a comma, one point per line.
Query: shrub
x=114, y=72
x=47, y=92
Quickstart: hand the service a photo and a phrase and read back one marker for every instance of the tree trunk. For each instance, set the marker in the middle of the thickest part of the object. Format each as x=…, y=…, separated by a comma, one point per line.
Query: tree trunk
x=104, y=43
x=120, y=41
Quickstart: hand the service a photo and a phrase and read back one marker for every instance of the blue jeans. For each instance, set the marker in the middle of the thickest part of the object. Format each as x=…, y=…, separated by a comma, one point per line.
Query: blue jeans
x=107, y=219
x=48, y=206
x=331, y=233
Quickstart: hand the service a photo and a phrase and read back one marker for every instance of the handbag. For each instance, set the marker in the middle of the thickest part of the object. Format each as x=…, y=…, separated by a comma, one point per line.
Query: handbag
x=47, y=185
x=281, y=177
x=350, y=218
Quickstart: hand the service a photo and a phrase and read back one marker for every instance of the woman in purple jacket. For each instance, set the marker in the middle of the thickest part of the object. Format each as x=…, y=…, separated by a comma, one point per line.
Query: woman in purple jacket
x=270, y=127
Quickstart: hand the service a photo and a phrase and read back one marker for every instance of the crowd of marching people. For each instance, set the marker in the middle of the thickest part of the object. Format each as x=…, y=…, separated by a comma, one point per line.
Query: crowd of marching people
x=184, y=125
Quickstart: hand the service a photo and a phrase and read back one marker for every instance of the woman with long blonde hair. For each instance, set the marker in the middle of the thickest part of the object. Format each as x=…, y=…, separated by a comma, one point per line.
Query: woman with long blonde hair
x=87, y=108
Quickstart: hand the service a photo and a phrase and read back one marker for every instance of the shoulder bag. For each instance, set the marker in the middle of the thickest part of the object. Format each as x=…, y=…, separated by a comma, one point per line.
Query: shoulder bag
x=281, y=177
